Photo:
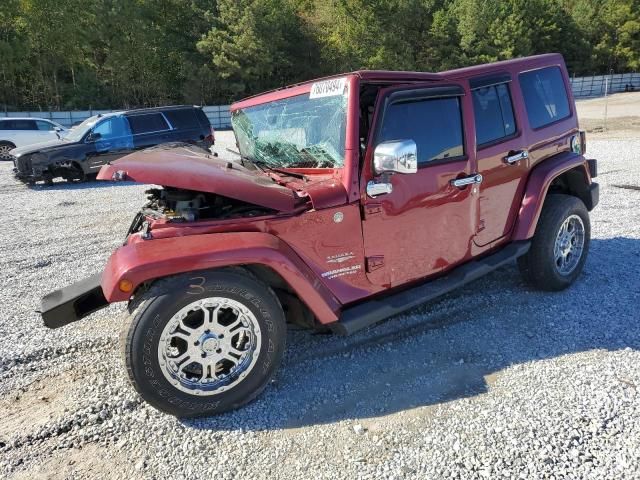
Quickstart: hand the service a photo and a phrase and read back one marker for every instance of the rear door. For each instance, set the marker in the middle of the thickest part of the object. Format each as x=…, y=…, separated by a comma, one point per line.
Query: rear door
x=502, y=155
x=149, y=129
x=426, y=224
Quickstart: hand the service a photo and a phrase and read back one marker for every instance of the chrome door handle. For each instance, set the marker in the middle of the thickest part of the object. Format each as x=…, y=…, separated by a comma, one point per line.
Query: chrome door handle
x=464, y=181
x=374, y=189
x=515, y=157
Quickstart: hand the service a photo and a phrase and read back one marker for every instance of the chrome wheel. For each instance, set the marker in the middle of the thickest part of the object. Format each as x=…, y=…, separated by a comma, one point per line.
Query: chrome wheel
x=4, y=151
x=569, y=244
x=209, y=346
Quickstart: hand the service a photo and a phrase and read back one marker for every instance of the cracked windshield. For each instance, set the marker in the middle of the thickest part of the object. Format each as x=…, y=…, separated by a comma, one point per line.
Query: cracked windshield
x=296, y=132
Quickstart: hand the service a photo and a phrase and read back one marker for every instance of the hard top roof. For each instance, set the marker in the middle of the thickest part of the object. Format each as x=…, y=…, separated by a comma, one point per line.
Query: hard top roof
x=393, y=76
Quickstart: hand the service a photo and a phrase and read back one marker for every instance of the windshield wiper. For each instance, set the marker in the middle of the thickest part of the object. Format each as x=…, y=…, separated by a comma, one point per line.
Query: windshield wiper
x=264, y=165
x=242, y=157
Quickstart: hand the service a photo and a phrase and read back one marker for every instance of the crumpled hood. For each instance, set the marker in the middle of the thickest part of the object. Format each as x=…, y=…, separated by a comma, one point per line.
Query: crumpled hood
x=192, y=168
x=39, y=147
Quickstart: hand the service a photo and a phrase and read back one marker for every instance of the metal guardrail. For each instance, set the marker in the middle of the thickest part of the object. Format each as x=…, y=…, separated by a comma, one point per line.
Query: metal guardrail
x=598, y=85
x=220, y=117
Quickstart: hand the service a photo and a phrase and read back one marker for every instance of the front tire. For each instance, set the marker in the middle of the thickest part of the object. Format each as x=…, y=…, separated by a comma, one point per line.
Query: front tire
x=204, y=343
x=560, y=245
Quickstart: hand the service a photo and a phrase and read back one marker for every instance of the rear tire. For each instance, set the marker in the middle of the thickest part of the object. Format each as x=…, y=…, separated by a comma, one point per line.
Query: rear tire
x=187, y=362
x=5, y=148
x=560, y=245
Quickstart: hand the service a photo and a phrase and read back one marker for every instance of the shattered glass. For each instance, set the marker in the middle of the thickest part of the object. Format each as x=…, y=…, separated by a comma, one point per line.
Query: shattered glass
x=296, y=132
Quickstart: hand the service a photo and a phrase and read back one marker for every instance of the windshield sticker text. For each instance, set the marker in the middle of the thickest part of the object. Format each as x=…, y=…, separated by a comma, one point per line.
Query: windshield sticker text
x=328, y=88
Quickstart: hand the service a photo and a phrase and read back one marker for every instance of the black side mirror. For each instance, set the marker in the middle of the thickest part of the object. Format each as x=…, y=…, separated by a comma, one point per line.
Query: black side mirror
x=93, y=136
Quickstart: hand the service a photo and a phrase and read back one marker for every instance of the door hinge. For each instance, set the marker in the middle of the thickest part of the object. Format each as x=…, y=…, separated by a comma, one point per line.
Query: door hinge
x=371, y=209
x=374, y=263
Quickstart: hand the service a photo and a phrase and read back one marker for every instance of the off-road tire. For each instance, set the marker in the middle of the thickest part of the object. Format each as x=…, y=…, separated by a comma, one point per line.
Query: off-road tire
x=538, y=266
x=150, y=312
x=4, y=152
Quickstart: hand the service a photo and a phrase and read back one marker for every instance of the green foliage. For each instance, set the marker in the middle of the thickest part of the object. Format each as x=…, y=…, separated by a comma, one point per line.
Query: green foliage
x=64, y=54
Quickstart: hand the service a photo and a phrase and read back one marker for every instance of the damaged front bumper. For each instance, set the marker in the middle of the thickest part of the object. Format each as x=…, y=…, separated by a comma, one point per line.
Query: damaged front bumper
x=31, y=169
x=73, y=302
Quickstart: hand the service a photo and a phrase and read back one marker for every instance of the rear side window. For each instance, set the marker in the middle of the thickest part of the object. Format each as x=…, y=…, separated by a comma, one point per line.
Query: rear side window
x=182, y=119
x=493, y=113
x=545, y=96
x=204, y=121
x=434, y=124
x=147, y=123
x=18, y=125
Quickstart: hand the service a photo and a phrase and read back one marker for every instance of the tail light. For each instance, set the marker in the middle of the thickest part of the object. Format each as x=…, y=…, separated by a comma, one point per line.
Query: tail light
x=579, y=143
x=212, y=135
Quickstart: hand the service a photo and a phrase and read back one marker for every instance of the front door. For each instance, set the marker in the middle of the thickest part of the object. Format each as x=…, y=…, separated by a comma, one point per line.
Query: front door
x=427, y=223
x=113, y=140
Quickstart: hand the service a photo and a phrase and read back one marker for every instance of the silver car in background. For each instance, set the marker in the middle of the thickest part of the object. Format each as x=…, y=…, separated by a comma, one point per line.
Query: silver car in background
x=22, y=131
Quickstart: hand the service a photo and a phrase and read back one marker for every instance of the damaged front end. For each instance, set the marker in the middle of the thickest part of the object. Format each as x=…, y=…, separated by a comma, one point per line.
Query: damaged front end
x=175, y=205
x=174, y=211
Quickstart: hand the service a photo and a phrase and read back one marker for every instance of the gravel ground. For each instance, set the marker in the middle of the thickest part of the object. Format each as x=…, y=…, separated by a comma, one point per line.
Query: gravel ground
x=493, y=381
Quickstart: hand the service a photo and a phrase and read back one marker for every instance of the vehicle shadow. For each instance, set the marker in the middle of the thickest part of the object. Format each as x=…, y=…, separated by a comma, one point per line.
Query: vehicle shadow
x=451, y=348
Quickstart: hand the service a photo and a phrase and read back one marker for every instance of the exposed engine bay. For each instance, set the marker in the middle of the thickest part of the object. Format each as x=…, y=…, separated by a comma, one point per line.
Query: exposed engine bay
x=179, y=205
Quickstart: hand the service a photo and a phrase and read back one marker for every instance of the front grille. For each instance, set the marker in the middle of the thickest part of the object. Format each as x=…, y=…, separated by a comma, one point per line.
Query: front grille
x=23, y=164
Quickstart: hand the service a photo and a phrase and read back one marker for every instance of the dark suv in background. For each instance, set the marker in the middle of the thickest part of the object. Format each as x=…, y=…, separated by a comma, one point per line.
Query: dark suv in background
x=103, y=138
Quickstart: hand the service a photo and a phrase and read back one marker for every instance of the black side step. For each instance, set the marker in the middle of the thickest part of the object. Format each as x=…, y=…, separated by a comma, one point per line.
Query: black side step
x=366, y=314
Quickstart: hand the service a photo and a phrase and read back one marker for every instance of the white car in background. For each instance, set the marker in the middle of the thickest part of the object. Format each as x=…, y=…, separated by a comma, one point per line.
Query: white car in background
x=20, y=132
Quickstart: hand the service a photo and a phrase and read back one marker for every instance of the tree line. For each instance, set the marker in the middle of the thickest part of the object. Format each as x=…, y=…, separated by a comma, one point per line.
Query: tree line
x=80, y=54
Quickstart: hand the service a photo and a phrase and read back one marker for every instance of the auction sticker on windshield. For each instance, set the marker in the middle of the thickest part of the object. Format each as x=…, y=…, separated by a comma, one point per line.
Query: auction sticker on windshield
x=328, y=88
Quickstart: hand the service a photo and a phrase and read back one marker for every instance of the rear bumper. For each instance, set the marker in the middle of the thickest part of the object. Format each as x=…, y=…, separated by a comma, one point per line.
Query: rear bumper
x=71, y=303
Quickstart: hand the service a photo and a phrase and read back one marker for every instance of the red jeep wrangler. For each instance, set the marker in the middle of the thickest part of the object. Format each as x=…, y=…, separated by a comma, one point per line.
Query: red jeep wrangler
x=350, y=199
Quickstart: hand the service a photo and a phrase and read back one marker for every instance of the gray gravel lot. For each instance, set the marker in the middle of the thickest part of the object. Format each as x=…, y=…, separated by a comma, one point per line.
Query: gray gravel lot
x=493, y=381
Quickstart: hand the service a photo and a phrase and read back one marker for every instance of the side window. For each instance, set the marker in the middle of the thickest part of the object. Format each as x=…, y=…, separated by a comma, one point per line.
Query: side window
x=147, y=123
x=182, y=119
x=202, y=117
x=111, y=128
x=434, y=124
x=4, y=125
x=545, y=96
x=46, y=126
x=493, y=113
x=21, y=125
